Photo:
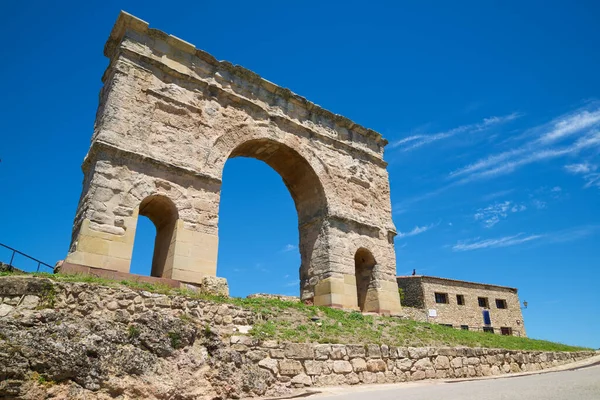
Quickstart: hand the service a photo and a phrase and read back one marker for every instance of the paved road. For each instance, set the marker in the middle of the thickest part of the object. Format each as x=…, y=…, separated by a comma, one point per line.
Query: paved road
x=582, y=384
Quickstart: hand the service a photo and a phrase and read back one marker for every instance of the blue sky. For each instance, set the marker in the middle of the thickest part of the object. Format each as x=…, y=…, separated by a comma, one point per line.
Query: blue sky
x=492, y=112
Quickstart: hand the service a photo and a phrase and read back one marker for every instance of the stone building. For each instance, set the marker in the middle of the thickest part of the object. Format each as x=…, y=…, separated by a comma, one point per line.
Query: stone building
x=171, y=115
x=465, y=305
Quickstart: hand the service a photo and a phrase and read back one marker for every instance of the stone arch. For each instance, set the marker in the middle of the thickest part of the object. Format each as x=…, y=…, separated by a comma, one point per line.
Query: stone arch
x=364, y=265
x=164, y=215
x=169, y=118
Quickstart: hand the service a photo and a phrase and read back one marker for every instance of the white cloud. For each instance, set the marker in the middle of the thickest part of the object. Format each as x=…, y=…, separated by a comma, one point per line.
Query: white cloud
x=495, y=195
x=415, y=141
x=417, y=230
x=587, y=170
x=540, y=205
x=572, y=234
x=476, y=244
x=288, y=247
x=556, y=189
x=493, y=213
x=580, y=127
x=566, y=235
x=572, y=124
x=581, y=168
x=592, y=180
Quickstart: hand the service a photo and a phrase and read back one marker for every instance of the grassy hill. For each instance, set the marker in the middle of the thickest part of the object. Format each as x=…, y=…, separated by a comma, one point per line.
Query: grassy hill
x=296, y=322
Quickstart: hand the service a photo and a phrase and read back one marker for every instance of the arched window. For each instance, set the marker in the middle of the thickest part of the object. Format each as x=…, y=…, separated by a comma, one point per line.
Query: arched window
x=163, y=214
x=363, y=264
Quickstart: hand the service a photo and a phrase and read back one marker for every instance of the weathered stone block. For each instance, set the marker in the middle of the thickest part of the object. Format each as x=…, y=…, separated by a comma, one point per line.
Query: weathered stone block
x=358, y=364
x=338, y=352
x=376, y=366
x=270, y=364
x=423, y=364
x=356, y=350
x=456, y=362
x=290, y=367
x=313, y=367
x=373, y=351
x=368, y=377
x=417, y=352
x=322, y=351
x=442, y=362
x=404, y=364
x=301, y=380
x=300, y=351
x=342, y=367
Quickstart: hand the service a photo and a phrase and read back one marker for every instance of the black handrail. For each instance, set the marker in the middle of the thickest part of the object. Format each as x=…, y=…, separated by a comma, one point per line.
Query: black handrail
x=15, y=251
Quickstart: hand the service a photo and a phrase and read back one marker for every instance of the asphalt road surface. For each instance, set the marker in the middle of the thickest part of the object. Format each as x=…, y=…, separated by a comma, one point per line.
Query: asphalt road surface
x=581, y=384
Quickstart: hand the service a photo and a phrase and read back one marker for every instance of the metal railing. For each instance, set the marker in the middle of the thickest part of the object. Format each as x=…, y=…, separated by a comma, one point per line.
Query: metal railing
x=15, y=251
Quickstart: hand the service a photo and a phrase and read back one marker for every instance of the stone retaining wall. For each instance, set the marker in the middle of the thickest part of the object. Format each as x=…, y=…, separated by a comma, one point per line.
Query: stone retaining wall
x=337, y=364
x=116, y=341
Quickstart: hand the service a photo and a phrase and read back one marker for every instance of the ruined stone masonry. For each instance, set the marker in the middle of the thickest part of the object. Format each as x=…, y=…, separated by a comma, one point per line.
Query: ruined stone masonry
x=169, y=118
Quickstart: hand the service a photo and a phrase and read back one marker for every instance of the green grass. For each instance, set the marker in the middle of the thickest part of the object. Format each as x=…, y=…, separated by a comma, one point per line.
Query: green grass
x=291, y=321
x=342, y=327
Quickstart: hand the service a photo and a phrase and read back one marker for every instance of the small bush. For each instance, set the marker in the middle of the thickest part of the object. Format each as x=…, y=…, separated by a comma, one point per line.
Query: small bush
x=133, y=332
x=175, y=339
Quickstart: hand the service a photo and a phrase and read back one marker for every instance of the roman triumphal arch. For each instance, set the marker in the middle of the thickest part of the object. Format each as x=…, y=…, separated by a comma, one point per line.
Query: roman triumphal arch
x=169, y=118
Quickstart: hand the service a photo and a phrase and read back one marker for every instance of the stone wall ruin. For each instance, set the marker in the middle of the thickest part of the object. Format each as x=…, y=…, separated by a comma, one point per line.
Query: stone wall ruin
x=169, y=118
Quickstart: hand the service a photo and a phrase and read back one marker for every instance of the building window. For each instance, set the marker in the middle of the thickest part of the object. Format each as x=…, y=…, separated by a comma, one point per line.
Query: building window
x=506, y=331
x=488, y=329
x=500, y=303
x=460, y=299
x=447, y=325
x=483, y=302
x=441, y=298
x=464, y=327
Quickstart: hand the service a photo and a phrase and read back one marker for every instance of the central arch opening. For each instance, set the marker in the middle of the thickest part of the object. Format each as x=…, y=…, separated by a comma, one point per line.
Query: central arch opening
x=267, y=230
x=258, y=231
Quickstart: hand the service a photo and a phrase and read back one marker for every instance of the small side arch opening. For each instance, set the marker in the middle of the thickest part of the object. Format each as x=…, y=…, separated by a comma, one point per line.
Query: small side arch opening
x=163, y=214
x=363, y=265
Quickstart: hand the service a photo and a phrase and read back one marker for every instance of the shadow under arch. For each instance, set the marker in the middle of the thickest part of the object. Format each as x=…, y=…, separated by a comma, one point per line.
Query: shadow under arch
x=164, y=215
x=309, y=199
x=364, y=263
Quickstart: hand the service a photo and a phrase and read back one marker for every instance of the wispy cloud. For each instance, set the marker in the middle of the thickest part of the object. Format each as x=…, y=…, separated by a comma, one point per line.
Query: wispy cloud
x=572, y=234
x=417, y=230
x=539, y=204
x=260, y=267
x=587, y=171
x=506, y=241
x=581, y=168
x=563, y=236
x=493, y=213
x=288, y=248
x=495, y=195
x=578, y=129
x=415, y=141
